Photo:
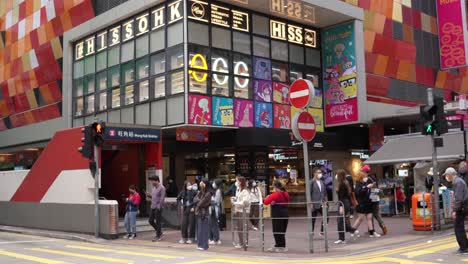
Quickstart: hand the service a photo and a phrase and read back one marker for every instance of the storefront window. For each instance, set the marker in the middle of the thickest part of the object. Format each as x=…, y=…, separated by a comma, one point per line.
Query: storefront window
x=220, y=84
x=128, y=50
x=90, y=104
x=261, y=47
x=103, y=101
x=142, y=46
x=158, y=40
x=113, y=77
x=128, y=73
x=101, y=62
x=101, y=80
x=198, y=34
x=242, y=68
x=143, y=91
x=79, y=105
x=116, y=98
x=79, y=86
x=279, y=72
x=114, y=56
x=176, y=58
x=242, y=87
x=175, y=34
x=279, y=50
x=90, y=65
x=198, y=81
x=241, y=42
x=159, y=87
x=313, y=57
x=176, y=82
x=260, y=25
x=78, y=69
x=129, y=95
x=296, y=72
x=142, y=68
x=158, y=63
x=89, y=84
x=296, y=54
x=220, y=38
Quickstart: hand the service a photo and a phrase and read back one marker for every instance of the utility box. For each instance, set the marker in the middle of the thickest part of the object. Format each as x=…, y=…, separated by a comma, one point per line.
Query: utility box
x=108, y=219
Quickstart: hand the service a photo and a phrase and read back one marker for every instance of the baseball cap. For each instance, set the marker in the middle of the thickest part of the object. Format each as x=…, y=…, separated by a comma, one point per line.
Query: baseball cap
x=365, y=168
x=450, y=170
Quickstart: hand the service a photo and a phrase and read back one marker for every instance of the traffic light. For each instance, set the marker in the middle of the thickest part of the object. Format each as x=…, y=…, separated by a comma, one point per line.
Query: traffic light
x=98, y=129
x=433, y=118
x=427, y=119
x=86, y=149
x=441, y=120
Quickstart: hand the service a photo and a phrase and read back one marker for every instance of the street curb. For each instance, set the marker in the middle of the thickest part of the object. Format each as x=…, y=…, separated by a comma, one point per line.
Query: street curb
x=50, y=234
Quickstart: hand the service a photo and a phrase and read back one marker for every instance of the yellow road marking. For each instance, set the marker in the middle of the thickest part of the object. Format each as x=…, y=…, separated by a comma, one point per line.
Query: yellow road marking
x=31, y=258
x=123, y=252
x=70, y=254
x=430, y=250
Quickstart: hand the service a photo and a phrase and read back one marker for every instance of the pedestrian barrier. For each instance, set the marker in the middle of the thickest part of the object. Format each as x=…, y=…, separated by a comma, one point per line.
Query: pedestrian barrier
x=240, y=225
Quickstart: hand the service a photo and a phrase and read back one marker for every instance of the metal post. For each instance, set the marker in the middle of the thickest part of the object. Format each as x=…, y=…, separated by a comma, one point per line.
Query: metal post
x=244, y=229
x=96, y=192
x=430, y=101
x=262, y=228
x=308, y=198
x=325, y=223
x=424, y=209
x=395, y=200
x=232, y=223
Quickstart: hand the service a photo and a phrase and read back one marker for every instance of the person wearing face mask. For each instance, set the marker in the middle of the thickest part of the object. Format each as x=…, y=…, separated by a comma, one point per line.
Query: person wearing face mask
x=319, y=197
x=133, y=202
x=462, y=171
x=279, y=201
x=364, y=208
x=460, y=207
x=344, y=196
x=202, y=212
x=256, y=199
x=216, y=208
x=241, y=205
x=185, y=199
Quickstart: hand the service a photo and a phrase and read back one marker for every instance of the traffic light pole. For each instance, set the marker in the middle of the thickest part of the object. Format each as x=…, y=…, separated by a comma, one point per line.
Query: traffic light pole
x=96, y=191
x=435, y=168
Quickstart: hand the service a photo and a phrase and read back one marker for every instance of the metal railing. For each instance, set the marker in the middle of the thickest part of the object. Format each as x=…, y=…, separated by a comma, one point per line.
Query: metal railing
x=259, y=235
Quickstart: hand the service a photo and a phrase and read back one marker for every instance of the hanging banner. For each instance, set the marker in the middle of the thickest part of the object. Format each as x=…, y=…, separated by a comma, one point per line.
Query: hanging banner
x=339, y=66
x=282, y=116
x=192, y=134
x=223, y=111
x=263, y=115
x=243, y=113
x=453, y=42
x=199, y=109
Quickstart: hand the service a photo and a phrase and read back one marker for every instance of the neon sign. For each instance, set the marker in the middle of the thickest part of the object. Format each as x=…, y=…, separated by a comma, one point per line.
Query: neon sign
x=203, y=66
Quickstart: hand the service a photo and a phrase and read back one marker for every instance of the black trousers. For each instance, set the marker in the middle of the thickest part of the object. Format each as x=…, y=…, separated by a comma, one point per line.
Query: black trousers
x=460, y=233
x=254, y=213
x=155, y=221
x=279, y=221
x=346, y=222
x=315, y=213
x=188, y=224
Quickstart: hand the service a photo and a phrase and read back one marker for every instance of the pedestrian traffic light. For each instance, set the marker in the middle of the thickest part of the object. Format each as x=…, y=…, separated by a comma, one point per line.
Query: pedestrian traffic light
x=442, y=124
x=98, y=129
x=86, y=149
x=433, y=118
x=427, y=119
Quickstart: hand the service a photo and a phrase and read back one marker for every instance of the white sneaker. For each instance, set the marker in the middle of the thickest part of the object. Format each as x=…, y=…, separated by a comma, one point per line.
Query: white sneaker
x=339, y=242
x=201, y=249
x=281, y=250
x=254, y=228
x=211, y=242
x=219, y=242
x=181, y=241
x=375, y=235
x=238, y=246
x=189, y=241
x=355, y=234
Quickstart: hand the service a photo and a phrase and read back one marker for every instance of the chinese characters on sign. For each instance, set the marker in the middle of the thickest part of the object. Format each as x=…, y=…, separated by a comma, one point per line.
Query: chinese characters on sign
x=133, y=134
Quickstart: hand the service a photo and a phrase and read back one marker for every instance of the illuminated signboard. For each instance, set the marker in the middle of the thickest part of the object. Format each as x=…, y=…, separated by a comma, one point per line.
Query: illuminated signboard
x=129, y=29
x=198, y=10
x=294, y=9
x=218, y=15
x=240, y=20
x=292, y=33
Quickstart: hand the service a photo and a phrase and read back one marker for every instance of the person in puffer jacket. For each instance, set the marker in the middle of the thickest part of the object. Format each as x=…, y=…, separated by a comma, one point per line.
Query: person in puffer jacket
x=133, y=203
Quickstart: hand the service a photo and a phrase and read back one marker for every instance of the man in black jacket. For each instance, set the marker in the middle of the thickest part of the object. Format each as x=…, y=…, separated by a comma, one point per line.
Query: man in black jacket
x=462, y=171
x=459, y=207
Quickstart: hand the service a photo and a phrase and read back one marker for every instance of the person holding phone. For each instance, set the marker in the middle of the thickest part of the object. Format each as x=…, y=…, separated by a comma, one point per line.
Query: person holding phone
x=133, y=203
x=157, y=196
x=364, y=208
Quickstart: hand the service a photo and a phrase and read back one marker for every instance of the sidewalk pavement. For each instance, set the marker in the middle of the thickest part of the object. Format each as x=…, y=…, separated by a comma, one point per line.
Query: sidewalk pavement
x=400, y=233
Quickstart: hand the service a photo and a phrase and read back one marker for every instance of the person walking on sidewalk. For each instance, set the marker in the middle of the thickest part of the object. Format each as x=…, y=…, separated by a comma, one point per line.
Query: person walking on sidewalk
x=157, y=196
x=185, y=199
x=133, y=202
x=279, y=201
x=375, y=199
x=256, y=199
x=463, y=171
x=216, y=207
x=202, y=211
x=460, y=207
x=319, y=197
x=241, y=205
x=344, y=196
x=364, y=208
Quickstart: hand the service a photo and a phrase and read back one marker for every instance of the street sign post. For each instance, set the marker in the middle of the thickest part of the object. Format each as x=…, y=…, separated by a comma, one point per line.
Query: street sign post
x=304, y=126
x=301, y=93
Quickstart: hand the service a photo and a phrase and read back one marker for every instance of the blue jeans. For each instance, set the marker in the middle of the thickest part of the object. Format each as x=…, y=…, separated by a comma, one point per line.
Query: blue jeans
x=203, y=230
x=214, y=227
x=130, y=222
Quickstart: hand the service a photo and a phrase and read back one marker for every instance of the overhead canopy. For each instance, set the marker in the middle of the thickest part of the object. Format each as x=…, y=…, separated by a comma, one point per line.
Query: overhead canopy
x=412, y=148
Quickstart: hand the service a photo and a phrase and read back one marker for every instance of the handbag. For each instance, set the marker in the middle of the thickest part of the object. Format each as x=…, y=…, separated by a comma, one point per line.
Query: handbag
x=354, y=201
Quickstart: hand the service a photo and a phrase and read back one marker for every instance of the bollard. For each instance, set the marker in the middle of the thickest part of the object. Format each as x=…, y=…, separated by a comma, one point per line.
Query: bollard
x=232, y=224
x=244, y=228
x=325, y=224
x=261, y=226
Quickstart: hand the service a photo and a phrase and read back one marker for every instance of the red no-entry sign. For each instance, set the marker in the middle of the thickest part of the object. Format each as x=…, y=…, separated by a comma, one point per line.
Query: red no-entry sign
x=301, y=93
x=304, y=126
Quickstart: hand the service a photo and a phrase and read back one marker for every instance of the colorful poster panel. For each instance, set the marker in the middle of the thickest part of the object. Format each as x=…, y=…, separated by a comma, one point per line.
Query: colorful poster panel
x=199, y=109
x=280, y=93
x=262, y=91
x=263, y=115
x=192, y=134
x=243, y=113
x=317, y=101
x=262, y=68
x=316, y=113
x=282, y=116
x=223, y=111
x=339, y=64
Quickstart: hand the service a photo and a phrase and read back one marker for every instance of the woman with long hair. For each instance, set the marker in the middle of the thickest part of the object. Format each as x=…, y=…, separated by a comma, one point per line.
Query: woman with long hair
x=216, y=207
x=256, y=199
x=364, y=208
x=185, y=199
x=241, y=204
x=202, y=211
x=344, y=196
x=279, y=201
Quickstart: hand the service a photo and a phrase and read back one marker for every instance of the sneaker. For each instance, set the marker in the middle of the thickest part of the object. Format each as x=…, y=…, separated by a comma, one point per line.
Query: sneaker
x=189, y=241
x=218, y=242
x=272, y=249
x=132, y=236
x=351, y=216
x=355, y=234
x=201, y=249
x=127, y=236
x=211, y=242
x=181, y=241
x=375, y=235
x=238, y=246
x=339, y=242
x=384, y=230
x=255, y=228
x=461, y=251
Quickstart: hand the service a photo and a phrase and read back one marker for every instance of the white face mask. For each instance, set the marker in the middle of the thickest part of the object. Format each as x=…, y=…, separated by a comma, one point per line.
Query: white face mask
x=320, y=175
x=336, y=177
x=365, y=179
x=214, y=185
x=254, y=184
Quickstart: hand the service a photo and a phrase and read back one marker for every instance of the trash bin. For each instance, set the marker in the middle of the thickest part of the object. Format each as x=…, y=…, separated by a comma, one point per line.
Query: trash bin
x=421, y=211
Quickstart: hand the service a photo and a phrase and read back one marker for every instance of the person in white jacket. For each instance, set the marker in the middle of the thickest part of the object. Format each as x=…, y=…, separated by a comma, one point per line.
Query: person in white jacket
x=241, y=204
x=256, y=199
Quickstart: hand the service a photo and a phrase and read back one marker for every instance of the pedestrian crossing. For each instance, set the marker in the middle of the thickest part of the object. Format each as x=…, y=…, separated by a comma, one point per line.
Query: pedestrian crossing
x=63, y=252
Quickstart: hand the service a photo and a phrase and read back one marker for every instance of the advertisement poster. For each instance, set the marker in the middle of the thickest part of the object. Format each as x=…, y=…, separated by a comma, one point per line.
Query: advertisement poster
x=280, y=93
x=376, y=136
x=192, y=134
x=317, y=101
x=282, y=116
x=316, y=113
x=263, y=115
x=339, y=64
x=262, y=68
x=451, y=20
x=223, y=111
x=262, y=91
x=199, y=109
x=243, y=113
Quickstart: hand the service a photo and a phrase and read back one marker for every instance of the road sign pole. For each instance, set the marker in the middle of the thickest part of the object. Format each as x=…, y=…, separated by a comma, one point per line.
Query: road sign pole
x=435, y=168
x=96, y=191
x=308, y=198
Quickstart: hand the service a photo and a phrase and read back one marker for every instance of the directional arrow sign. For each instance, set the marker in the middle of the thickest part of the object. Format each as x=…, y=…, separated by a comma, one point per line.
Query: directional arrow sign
x=303, y=126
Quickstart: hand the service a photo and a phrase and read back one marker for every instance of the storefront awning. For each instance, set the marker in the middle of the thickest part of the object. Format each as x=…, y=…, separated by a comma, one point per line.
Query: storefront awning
x=413, y=148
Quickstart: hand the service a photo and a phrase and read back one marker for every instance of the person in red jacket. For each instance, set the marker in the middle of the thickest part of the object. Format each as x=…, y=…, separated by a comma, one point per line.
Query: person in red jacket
x=279, y=201
x=133, y=203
